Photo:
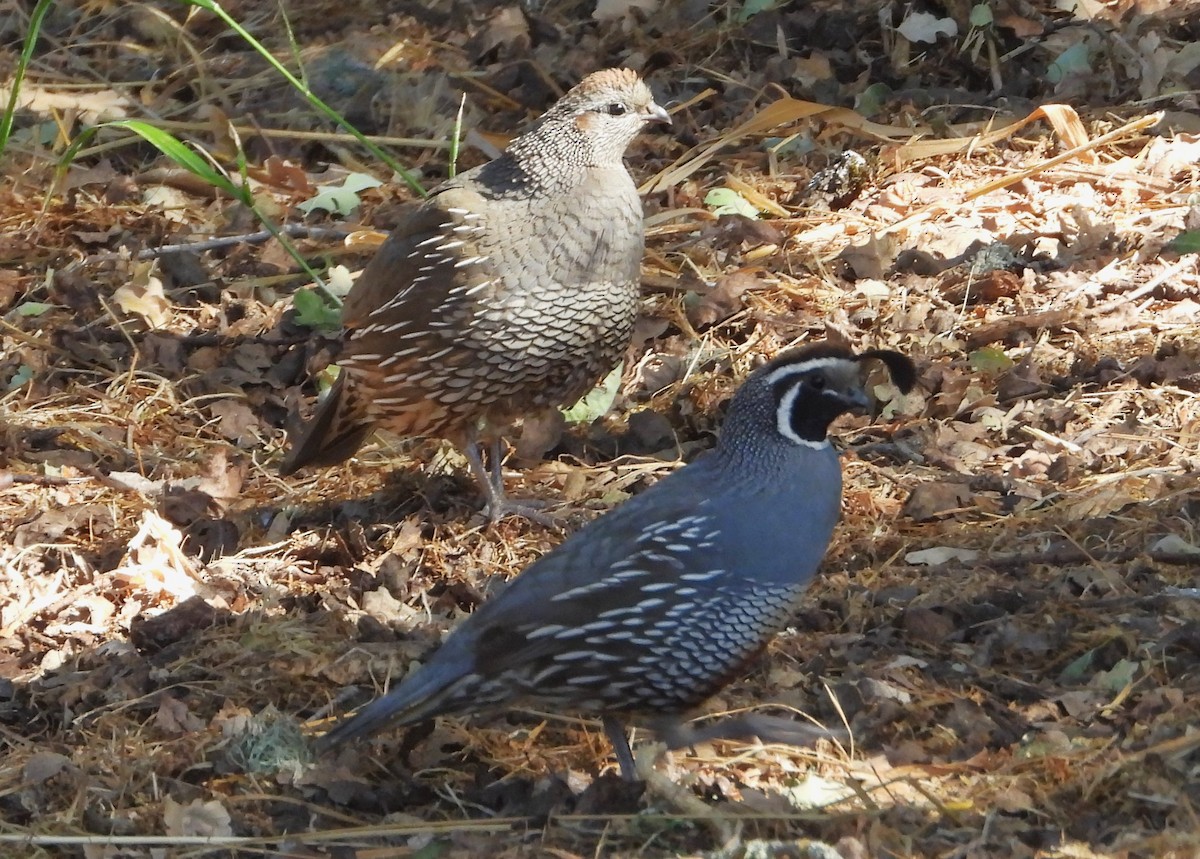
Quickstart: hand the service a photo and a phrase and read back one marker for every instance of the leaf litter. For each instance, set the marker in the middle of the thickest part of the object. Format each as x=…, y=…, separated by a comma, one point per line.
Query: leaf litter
x=1007, y=621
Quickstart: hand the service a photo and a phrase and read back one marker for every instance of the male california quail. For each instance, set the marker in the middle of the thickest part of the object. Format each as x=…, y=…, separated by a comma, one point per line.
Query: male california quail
x=510, y=291
x=655, y=606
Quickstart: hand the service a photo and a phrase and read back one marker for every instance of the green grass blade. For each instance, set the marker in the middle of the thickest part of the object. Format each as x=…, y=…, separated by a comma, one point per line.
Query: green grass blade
x=196, y=163
x=35, y=29
x=183, y=155
x=322, y=107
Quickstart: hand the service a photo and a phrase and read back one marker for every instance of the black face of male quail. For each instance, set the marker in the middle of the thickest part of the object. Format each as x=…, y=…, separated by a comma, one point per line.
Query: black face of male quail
x=510, y=291
x=655, y=606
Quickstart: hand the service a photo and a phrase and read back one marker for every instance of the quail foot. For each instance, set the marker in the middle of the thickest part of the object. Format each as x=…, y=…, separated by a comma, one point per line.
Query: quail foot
x=652, y=608
x=511, y=291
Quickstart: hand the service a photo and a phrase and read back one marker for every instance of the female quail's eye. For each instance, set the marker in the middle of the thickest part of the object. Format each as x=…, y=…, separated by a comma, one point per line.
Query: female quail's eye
x=617, y=109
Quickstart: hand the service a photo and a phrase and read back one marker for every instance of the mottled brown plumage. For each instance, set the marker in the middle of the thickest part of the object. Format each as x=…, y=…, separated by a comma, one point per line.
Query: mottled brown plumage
x=511, y=290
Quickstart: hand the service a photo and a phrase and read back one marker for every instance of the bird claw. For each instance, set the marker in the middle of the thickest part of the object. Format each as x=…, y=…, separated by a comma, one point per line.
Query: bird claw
x=491, y=481
x=532, y=509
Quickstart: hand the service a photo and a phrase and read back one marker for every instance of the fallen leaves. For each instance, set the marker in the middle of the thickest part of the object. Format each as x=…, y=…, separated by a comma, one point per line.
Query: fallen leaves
x=1008, y=621
x=155, y=562
x=143, y=296
x=196, y=818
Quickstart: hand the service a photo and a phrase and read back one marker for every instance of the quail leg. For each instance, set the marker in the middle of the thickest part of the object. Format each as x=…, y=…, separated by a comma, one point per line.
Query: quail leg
x=615, y=732
x=492, y=483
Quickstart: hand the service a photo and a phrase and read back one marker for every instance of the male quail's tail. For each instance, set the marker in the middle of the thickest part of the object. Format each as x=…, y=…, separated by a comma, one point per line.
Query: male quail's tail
x=655, y=606
x=341, y=424
x=512, y=290
x=418, y=699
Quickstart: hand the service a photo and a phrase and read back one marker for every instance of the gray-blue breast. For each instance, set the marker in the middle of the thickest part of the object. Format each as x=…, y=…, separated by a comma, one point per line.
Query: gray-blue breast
x=655, y=606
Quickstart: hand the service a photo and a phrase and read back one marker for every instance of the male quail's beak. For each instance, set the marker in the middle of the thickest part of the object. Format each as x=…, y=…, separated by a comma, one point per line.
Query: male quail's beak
x=857, y=401
x=655, y=113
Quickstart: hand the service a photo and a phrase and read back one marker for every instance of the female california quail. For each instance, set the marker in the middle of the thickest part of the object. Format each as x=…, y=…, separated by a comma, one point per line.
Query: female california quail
x=655, y=606
x=510, y=291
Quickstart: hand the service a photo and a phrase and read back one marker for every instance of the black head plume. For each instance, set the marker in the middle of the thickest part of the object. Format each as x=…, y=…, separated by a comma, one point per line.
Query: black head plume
x=900, y=367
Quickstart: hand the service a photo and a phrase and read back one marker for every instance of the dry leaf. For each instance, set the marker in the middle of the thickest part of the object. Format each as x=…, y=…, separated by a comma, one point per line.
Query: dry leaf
x=143, y=296
x=197, y=818
x=613, y=10
x=174, y=717
x=93, y=106
x=154, y=560
x=930, y=500
x=940, y=555
x=43, y=766
x=235, y=421
x=724, y=299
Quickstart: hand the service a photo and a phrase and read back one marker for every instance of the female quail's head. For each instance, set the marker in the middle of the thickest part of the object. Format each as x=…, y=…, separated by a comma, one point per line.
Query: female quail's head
x=593, y=124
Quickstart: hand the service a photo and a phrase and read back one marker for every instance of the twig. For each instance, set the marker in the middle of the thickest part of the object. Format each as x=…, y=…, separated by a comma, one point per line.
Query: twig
x=1062, y=557
x=1145, y=289
x=302, y=231
x=8, y=478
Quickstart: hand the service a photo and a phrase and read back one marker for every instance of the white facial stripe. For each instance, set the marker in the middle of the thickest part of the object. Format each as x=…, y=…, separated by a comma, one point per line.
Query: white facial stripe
x=814, y=364
x=783, y=416
x=783, y=419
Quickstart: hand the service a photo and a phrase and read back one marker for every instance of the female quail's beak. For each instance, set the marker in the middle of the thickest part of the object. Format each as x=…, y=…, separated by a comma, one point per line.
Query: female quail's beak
x=656, y=113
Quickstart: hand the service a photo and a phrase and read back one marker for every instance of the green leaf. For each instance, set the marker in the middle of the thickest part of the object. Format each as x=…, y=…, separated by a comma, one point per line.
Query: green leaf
x=871, y=100
x=1079, y=668
x=1186, y=242
x=597, y=401
x=327, y=377
x=796, y=145
x=726, y=201
x=33, y=308
x=342, y=199
x=750, y=8
x=1072, y=61
x=314, y=311
x=981, y=15
x=989, y=359
x=1116, y=678
x=432, y=850
x=24, y=374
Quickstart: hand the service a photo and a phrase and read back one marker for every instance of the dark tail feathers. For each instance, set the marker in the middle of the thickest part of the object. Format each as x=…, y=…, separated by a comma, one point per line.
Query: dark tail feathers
x=335, y=432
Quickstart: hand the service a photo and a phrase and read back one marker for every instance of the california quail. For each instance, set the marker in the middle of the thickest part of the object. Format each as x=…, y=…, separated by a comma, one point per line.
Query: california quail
x=511, y=290
x=655, y=606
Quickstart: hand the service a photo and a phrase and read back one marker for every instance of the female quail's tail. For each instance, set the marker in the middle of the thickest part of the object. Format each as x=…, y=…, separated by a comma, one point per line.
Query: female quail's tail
x=339, y=427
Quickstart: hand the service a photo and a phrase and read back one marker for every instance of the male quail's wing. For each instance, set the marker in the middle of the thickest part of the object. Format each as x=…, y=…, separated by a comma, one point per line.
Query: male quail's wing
x=644, y=611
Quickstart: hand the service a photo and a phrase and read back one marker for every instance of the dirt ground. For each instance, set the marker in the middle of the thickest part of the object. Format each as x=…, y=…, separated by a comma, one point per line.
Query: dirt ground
x=1008, y=621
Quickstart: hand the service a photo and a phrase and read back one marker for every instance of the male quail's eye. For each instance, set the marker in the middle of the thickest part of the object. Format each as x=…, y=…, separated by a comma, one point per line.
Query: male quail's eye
x=617, y=109
x=817, y=382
